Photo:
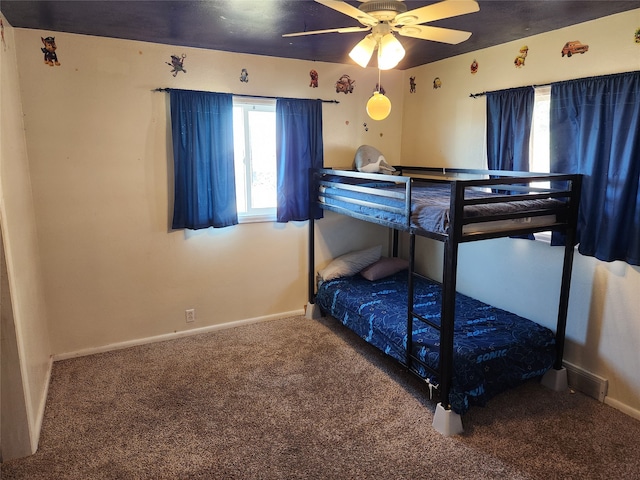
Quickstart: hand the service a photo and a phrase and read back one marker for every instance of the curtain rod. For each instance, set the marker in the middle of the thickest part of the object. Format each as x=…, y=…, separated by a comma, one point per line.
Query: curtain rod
x=481, y=94
x=242, y=95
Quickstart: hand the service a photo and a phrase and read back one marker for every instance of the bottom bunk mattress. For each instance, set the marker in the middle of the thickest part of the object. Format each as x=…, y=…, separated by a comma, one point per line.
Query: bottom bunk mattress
x=493, y=349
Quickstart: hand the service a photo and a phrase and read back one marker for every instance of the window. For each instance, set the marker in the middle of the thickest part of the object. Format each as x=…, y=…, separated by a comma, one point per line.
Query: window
x=539, y=142
x=254, y=138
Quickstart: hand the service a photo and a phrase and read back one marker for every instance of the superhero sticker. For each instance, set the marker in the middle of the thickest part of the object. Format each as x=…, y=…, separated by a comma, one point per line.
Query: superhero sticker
x=177, y=64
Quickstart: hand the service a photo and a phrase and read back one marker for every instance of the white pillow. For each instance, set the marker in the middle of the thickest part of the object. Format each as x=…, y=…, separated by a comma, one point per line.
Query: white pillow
x=350, y=263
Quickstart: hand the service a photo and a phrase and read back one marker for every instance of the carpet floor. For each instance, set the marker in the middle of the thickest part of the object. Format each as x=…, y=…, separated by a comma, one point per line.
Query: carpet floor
x=304, y=399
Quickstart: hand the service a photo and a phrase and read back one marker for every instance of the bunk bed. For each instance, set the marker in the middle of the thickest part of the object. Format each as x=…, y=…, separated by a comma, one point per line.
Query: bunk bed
x=464, y=349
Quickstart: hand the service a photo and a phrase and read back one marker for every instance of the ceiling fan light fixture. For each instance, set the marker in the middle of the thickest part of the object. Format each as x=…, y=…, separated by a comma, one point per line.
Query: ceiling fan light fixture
x=390, y=52
x=362, y=52
x=378, y=106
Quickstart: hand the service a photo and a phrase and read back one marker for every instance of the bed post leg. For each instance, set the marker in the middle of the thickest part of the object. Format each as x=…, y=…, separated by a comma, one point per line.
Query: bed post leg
x=447, y=422
x=312, y=311
x=556, y=380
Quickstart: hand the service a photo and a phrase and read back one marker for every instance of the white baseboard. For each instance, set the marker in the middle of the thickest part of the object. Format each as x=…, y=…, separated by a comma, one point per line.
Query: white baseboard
x=624, y=408
x=173, y=335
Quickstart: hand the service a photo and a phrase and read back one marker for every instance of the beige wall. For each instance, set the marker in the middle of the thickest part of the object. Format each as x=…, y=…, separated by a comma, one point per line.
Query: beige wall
x=445, y=127
x=25, y=337
x=99, y=149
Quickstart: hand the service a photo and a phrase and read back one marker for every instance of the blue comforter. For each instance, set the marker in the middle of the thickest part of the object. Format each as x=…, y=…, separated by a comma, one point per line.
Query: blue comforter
x=493, y=349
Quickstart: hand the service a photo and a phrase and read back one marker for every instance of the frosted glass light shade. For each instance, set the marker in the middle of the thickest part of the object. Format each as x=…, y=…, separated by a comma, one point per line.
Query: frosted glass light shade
x=362, y=52
x=378, y=106
x=390, y=52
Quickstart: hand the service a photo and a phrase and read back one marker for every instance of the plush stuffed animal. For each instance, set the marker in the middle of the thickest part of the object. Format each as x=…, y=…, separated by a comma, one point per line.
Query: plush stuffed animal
x=49, y=50
x=368, y=159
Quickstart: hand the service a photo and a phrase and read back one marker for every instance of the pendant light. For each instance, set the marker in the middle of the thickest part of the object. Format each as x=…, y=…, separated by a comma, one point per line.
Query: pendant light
x=378, y=106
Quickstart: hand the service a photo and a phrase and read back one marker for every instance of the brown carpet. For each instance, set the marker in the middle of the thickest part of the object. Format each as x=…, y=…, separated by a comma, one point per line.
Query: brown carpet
x=296, y=398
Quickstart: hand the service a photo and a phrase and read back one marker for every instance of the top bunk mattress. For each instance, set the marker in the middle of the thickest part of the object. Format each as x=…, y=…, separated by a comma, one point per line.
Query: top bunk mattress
x=430, y=206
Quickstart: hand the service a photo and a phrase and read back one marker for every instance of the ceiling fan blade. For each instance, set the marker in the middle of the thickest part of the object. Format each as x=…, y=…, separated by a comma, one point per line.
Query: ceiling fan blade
x=435, y=34
x=437, y=11
x=330, y=30
x=349, y=10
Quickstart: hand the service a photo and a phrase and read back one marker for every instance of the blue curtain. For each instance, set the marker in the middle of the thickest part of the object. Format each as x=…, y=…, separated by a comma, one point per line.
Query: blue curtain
x=298, y=148
x=595, y=131
x=202, y=131
x=509, y=116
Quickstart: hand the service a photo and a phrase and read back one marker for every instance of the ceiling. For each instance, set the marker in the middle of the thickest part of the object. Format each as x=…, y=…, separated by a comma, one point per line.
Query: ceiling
x=257, y=26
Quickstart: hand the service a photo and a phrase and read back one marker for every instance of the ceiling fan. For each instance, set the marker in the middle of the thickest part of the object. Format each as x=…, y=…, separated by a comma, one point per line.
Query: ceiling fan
x=384, y=17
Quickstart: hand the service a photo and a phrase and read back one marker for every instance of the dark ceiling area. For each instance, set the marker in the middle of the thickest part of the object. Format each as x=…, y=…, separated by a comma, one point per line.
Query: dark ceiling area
x=257, y=26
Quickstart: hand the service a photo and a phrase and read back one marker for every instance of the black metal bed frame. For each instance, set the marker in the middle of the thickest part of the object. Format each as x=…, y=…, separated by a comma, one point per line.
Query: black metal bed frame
x=507, y=186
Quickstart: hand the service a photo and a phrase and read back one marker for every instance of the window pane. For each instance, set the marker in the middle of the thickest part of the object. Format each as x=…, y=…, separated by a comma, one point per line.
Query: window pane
x=262, y=140
x=254, y=131
x=540, y=130
x=539, y=147
x=239, y=158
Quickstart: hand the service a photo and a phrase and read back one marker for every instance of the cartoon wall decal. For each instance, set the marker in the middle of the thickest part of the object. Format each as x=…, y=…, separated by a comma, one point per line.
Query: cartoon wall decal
x=519, y=61
x=244, y=76
x=380, y=89
x=177, y=64
x=4, y=44
x=314, y=79
x=412, y=84
x=474, y=67
x=572, y=47
x=437, y=83
x=345, y=84
x=637, y=36
x=49, y=50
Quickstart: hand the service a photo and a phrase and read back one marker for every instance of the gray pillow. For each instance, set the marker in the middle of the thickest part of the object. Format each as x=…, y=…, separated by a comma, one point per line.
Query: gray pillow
x=384, y=267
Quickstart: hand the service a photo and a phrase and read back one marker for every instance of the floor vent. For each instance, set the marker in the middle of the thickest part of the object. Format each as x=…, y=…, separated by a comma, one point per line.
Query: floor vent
x=586, y=382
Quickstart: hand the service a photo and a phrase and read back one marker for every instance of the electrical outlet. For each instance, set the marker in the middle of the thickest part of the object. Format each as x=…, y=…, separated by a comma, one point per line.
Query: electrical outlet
x=190, y=315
